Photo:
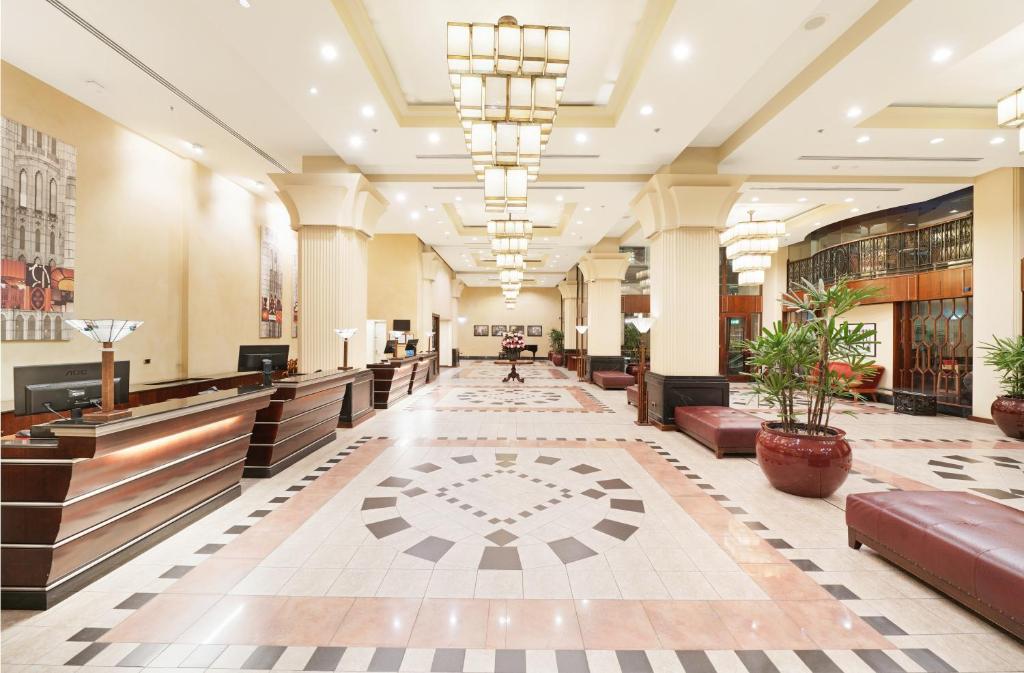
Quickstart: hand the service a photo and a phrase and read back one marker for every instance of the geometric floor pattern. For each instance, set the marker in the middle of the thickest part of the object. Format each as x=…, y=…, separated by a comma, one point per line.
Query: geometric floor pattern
x=432, y=539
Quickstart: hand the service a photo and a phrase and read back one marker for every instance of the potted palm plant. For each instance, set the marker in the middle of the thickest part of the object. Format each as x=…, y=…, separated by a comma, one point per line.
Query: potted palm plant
x=1006, y=356
x=556, y=340
x=802, y=453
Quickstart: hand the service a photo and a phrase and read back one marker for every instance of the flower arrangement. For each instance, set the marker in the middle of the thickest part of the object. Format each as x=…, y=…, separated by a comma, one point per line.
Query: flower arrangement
x=513, y=342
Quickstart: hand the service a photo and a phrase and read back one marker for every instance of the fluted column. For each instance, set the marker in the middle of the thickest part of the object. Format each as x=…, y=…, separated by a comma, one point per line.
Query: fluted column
x=681, y=214
x=335, y=214
x=568, y=292
x=773, y=289
x=430, y=265
x=457, y=287
x=603, y=273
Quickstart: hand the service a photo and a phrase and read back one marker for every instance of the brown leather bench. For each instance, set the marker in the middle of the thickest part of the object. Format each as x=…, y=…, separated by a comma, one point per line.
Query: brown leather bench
x=613, y=380
x=632, y=393
x=967, y=547
x=722, y=429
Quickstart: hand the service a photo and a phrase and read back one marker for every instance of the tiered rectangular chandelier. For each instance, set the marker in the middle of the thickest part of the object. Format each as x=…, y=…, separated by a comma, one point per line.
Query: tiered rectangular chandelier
x=1010, y=113
x=750, y=245
x=507, y=81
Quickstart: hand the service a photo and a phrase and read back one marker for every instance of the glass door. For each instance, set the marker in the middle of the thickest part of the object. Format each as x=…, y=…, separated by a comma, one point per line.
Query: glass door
x=735, y=330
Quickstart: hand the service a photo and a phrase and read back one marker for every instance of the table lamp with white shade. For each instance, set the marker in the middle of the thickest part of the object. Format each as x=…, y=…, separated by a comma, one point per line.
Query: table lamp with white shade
x=106, y=332
x=580, y=352
x=345, y=333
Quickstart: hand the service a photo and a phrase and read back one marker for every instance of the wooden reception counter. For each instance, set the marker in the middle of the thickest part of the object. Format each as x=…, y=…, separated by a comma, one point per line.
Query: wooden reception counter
x=74, y=506
x=303, y=414
x=358, y=404
x=395, y=379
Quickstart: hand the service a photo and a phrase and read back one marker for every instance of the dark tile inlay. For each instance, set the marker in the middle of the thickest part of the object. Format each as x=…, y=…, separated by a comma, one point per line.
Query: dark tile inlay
x=259, y=513
x=756, y=661
x=500, y=558
x=614, y=528
x=448, y=660
x=954, y=475
x=135, y=601
x=571, y=661
x=840, y=592
x=279, y=499
x=427, y=468
x=884, y=625
x=628, y=505
x=430, y=548
x=755, y=525
x=177, y=572
x=264, y=657
x=387, y=527
x=464, y=459
x=510, y=661
x=325, y=659
x=996, y=493
x=633, y=661
x=86, y=655
x=778, y=544
x=695, y=661
x=613, y=484
x=929, y=661
x=236, y=530
x=817, y=661
x=594, y=493
x=583, y=468
x=879, y=661
x=387, y=659
x=209, y=549
x=87, y=635
x=142, y=655
x=397, y=482
x=501, y=537
x=413, y=492
x=570, y=549
x=547, y=460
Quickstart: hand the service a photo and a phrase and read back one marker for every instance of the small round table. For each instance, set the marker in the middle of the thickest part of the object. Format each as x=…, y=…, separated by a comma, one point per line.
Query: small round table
x=513, y=376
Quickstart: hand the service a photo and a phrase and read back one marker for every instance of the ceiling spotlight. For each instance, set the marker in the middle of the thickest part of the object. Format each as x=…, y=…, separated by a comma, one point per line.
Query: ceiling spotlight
x=368, y=111
x=854, y=112
x=941, y=55
x=558, y=197
x=447, y=233
x=414, y=215
x=998, y=140
x=854, y=210
x=256, y=184
x=802, y=199
x=195, y=147
x=848, y=199
x=579, y=221
x=434, y=137
x=355, y=141
x=646, y=110
x=755, y=198
x=954, y=211
x=458, y=198
x=328, y=52
x=245, y=3
x=581, y=137
x=681, y=51
x=313, y=91
x=400, y=197
x=430, y=209
x=586, y=209
x=863, y=139
x=936, y=141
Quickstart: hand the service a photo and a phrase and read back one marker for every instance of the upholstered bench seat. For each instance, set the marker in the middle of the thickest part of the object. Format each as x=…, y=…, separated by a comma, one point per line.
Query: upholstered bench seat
x=961, y=544
x=613, y=380
x=632, y=393
x=722, y=429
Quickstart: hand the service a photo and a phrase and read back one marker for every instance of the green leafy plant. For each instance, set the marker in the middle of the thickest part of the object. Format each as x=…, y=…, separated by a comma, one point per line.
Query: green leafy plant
x=556, y=339
x=790, y=363
x=1006, y=356
x=631, y=341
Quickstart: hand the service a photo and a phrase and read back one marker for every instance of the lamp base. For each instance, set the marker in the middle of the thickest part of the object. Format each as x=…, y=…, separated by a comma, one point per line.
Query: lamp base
x=104, y=416
x=345, y=369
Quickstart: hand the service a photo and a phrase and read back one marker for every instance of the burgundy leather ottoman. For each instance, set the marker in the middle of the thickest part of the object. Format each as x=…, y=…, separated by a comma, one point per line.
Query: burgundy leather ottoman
x=613, y=380
x=723, y=429
x=632, y=393
x=970, y=548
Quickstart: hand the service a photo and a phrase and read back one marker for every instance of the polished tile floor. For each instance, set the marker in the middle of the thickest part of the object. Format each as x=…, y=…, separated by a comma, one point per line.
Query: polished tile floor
x=481, y=526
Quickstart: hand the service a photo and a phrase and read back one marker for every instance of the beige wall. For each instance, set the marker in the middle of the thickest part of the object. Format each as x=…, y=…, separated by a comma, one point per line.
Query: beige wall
x=159, y=239
x=486, y=306
x=395, y=282
x=882, y=316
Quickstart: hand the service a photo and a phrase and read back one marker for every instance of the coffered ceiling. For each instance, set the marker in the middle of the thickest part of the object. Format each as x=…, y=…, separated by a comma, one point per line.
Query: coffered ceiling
x=769, y=84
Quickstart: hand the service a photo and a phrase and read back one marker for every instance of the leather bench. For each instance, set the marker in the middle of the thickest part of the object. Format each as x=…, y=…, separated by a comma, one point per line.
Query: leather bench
x=722, y=429
x=613, y=380
x=963, y=545
x=632, y=393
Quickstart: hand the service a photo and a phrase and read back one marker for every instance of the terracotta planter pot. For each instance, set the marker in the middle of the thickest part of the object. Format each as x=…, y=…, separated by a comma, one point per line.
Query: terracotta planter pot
x=812, y=467
x=1008, y=413
x=556, y=359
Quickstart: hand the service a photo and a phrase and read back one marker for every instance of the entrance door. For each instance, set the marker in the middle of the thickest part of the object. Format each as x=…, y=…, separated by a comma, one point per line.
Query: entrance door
x=736, y=328
x=435, y=325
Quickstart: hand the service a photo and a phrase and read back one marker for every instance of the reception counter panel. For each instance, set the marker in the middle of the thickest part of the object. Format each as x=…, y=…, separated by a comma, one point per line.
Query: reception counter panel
x=391, y=381
x=358, y=404
x=75, y=506
x=302, y=416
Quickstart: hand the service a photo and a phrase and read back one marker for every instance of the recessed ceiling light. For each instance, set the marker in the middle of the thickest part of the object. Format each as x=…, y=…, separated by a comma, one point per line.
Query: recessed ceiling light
x=936, y=141
x=941, y=55
x=414, y=215
x=447, y=233
x=400, y=197
x=245, y=3
x=680, y=51
x=355, y=141
x=863, y=139
x=558, y=197
x=328, y=52
x=848, y=199
x=368, y=111
x=458, y=198
x=998, y=140
x=434, y=137
x=802, y=199
x=817, y=224
x=256, y=184
x=954, y=211
x=646, y=110
x=854, y=112
x=579, y=221
x=195, y=147
x=587, y=209
x=581, y=137
x=313, y=91
x=755, y=199
x=854, y=210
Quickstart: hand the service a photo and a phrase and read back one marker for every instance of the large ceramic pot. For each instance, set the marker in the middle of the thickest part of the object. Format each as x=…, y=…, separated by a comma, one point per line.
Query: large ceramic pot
x=804, y=465
x=556, y=359
x=1008, y=413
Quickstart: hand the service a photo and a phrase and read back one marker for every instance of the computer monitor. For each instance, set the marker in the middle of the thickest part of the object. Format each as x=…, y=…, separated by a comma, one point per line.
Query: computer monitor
x=37, y=386
x=389, y=346
x=250, y=358
x=411, y=346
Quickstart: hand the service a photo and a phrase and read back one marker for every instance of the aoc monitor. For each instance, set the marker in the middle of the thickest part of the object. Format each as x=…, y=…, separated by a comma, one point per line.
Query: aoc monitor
x=42, y=388
x=250, y=358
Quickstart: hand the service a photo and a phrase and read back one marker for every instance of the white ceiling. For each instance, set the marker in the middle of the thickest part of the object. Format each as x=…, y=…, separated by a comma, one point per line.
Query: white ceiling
x=253, y=69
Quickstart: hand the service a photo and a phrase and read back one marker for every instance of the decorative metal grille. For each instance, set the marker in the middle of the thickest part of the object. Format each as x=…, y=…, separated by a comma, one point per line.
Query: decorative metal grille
x=937, y=246
x=934, y=348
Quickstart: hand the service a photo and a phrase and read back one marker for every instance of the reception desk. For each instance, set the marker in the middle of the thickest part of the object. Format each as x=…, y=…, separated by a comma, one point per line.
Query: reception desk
x=76, y=505
x=391, y=381
x=358, y=404
x=302, y=416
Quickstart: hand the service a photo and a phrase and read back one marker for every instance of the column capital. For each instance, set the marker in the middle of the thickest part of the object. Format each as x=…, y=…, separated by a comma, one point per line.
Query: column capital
x=342, y=200
x=457, y=287
x=567, y=289
x=604, y=266
x=672, y=200
x=431, y=265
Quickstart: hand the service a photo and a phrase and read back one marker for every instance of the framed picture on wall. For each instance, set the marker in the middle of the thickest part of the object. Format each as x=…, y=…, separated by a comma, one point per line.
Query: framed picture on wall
x=869, y=349
x=517, y=329
x=480, y=330
x=535, y=330
x=498, y=330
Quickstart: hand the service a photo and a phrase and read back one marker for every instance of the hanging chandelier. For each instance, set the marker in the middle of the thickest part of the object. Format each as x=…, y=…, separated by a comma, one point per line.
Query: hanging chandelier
x=509, y=245
x=505, y=189
x=510, y=261
x=510, y=276
x=510, y=229
x=1010, y=110
x=749, y=246
x=515, y=287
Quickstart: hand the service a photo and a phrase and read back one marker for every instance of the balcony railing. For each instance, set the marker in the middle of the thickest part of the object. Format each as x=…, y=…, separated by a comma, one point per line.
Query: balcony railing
x=939, y=245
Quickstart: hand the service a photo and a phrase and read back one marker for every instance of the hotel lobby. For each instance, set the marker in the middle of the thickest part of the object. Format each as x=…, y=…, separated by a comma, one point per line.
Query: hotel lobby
x=591, y=336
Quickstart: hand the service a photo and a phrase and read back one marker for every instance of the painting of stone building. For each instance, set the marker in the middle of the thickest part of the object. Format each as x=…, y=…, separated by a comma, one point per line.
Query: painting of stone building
x=37, y=228
x=271, y=283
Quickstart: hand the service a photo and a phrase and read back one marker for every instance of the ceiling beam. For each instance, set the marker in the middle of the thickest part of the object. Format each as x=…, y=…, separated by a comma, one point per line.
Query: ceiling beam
x=932, y=117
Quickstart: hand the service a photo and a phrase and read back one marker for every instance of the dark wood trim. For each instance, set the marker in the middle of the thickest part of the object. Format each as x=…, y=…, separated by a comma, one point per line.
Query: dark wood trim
x=264, y=471
x=981, y=419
